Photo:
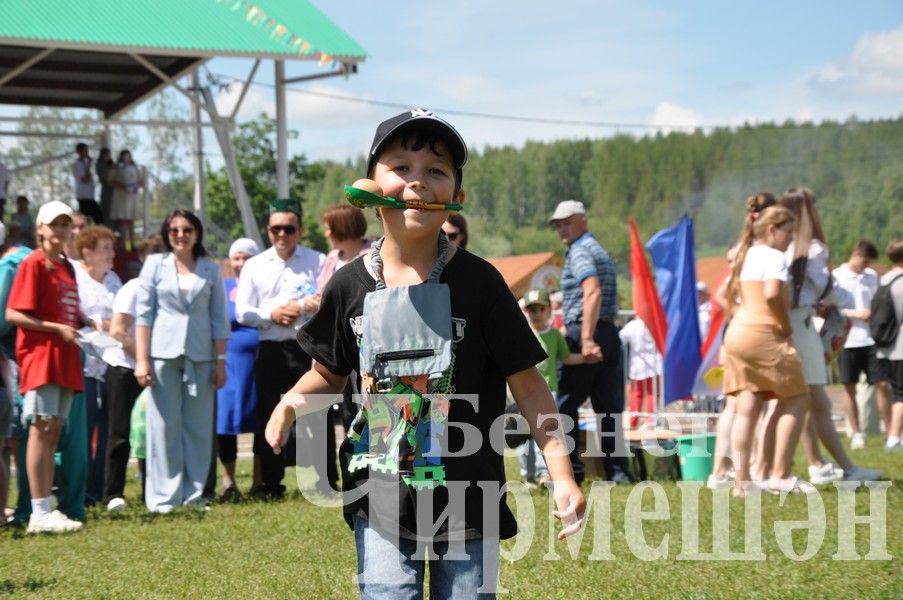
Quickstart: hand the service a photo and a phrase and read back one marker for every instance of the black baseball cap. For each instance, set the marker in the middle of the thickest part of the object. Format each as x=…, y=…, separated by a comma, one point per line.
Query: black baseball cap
x=425, y=120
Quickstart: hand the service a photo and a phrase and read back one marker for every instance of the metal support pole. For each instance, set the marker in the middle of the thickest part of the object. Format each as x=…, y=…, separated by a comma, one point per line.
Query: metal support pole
x=197, y=148
x=221, y=129
x=281, y=133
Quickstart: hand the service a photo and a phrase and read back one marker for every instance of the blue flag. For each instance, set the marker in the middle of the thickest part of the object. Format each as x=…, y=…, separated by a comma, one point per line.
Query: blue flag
x=675, y=273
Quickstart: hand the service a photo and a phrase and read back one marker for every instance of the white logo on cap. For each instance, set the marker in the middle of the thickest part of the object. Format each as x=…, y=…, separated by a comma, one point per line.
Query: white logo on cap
x=420, y=112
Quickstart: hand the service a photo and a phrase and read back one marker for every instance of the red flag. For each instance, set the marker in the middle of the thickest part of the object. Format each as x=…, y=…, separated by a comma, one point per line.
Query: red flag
x=646, y=303
x=717, y=316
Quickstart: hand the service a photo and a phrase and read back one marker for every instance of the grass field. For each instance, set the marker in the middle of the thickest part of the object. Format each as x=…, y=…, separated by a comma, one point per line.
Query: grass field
x=292, y=548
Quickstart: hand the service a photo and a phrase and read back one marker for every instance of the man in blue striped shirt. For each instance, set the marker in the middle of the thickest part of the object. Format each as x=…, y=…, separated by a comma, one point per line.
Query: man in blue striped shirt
x=589, y=287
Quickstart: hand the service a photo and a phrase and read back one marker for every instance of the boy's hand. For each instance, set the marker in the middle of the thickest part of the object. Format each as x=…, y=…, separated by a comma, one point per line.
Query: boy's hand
x=277, y=427
x=571, y=504
x=591, y=351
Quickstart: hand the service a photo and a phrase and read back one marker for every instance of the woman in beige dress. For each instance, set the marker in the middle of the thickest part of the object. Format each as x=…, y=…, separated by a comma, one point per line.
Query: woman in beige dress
x=761, y=363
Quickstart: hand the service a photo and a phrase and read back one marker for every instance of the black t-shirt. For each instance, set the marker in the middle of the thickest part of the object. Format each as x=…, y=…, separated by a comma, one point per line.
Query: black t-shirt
x=496, y=343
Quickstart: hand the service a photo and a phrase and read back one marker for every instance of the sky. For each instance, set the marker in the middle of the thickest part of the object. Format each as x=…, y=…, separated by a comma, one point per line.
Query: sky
x=647, y=63
x=641, y=64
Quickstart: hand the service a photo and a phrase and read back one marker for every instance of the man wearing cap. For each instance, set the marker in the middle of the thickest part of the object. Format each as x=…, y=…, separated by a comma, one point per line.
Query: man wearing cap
x=589, y=288
x=277, y=294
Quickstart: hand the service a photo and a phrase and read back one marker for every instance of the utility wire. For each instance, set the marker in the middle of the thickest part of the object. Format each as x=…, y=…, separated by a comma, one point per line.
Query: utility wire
x=515, y=118
x=478, y=115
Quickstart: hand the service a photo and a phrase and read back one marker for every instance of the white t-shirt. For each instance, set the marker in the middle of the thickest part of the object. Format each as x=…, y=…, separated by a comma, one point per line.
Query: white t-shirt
x=763, y=263
x=645, y=359
x=862, y=288
x=95, y=300
x=124, y=302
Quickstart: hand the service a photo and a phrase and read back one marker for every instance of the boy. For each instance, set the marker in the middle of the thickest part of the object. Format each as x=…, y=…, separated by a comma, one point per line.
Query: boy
x=417, y=157
x=538, y=307
x=858, y=354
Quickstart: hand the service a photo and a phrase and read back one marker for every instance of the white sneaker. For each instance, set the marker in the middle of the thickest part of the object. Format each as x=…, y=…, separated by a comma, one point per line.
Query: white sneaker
x=117, y=505
x=859, y=474
x=52, y=522
x=893, y=445
x=715, y=482
x=857, y=441
x=824, y=474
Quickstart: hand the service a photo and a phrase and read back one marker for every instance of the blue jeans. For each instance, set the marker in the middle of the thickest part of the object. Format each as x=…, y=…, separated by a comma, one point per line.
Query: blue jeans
x=532, y=464
x=388, y=569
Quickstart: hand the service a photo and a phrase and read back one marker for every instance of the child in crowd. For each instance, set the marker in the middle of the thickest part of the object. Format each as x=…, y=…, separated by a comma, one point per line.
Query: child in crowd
x=417, y=158
x=538, y=308
x=43, y=304
x=644, y=369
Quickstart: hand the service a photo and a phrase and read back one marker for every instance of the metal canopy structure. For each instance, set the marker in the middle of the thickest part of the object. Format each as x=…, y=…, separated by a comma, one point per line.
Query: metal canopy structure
x=111, y=55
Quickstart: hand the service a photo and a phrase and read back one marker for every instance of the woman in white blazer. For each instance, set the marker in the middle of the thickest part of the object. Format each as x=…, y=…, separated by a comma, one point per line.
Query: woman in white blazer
x=180, y=341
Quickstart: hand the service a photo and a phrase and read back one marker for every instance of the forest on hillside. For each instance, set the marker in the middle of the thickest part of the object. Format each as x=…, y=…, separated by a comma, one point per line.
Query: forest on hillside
x=855, y=169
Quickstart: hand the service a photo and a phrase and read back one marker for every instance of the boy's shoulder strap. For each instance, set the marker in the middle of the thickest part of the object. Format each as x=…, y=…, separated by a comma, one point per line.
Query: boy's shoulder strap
x=376, y=261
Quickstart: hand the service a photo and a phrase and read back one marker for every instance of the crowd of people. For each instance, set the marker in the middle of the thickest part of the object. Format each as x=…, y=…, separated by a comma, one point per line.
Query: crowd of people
x=188, y=359
x=201, y=358
x=775, y=360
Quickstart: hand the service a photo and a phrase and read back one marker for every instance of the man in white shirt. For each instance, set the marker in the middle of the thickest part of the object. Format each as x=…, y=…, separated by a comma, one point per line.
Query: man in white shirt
x=858, y=355
x=84, y=184
x=277, y=294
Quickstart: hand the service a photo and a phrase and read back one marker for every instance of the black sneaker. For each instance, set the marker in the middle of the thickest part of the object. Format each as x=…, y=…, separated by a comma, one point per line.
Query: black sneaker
x=230, y=493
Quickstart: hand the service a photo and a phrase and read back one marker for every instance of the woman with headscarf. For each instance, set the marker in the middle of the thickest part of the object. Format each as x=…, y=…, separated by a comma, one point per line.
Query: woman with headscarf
x=236, y=402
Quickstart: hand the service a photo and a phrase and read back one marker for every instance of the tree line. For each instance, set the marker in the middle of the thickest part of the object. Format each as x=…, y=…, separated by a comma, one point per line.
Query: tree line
x=855, y=169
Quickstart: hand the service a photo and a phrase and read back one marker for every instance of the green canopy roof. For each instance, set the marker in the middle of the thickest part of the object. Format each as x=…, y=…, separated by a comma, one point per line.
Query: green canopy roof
x=78, y=52
x=199, y=27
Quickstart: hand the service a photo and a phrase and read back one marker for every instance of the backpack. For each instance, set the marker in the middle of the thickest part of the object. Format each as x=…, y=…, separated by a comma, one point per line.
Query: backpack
x=406, y=337
x=883, y=324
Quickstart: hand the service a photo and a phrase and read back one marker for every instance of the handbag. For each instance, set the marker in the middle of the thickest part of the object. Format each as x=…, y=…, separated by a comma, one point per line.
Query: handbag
x=834, y=333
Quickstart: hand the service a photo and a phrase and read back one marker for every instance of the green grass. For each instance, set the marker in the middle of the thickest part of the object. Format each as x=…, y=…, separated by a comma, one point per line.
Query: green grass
x=292, y=548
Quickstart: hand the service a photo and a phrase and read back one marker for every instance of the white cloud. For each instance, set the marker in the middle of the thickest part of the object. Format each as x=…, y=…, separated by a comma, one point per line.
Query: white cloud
x=254, y=103
x=668, y=117
x=873, y=68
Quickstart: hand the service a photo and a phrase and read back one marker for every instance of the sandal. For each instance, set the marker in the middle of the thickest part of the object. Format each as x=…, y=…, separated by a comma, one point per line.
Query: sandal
x=791, y=485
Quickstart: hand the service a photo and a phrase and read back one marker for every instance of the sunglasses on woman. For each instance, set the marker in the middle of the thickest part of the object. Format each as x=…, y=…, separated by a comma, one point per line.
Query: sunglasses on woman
x=181, y=230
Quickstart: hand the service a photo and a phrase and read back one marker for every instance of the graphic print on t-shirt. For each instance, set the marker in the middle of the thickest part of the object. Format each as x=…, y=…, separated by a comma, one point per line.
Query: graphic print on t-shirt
x=401, y=422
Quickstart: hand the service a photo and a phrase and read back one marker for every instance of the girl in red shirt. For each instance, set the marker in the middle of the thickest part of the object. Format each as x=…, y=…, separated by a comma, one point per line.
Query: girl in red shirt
x=43, y=304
